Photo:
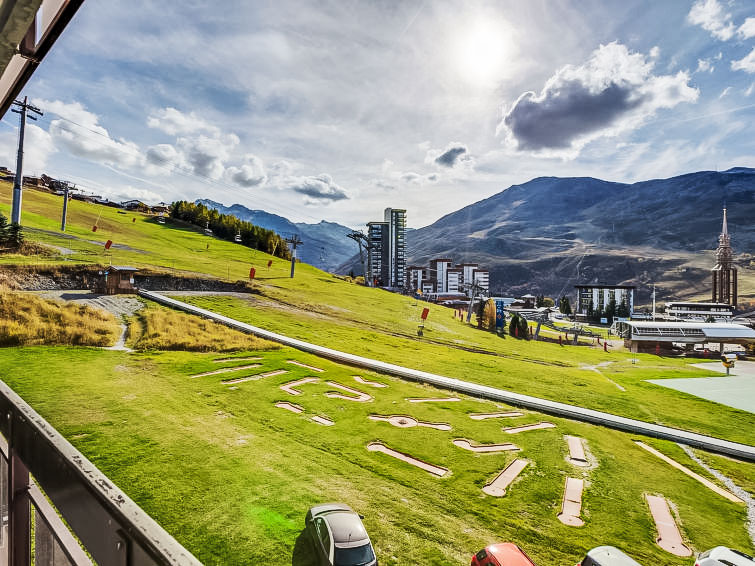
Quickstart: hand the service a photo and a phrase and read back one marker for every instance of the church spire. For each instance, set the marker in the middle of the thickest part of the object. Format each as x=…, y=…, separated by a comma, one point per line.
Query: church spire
x=725, y=229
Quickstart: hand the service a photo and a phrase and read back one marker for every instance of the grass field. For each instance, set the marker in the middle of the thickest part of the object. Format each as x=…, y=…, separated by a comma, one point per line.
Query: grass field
x=536, y=368
x=231, y=476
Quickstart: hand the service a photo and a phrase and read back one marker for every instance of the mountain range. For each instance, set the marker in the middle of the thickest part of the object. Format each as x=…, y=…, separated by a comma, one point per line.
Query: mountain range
x=550, y=233
x=325, y=244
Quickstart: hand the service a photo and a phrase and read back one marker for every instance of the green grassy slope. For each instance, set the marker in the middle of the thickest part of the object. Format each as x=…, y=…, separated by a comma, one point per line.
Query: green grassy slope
x=319, y=307
x=231, y=476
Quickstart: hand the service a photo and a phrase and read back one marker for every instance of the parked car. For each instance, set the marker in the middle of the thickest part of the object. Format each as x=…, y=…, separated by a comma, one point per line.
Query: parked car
x=723, y=556
x=607, y=556
x=502, y=554
x=339, y=537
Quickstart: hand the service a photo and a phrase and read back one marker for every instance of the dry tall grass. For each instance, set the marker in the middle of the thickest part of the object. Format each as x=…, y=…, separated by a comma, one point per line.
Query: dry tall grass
x=159, y=328
x=27, y=320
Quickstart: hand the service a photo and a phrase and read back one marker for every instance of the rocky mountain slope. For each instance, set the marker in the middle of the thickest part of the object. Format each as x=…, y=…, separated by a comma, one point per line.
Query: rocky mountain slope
x=550, y=233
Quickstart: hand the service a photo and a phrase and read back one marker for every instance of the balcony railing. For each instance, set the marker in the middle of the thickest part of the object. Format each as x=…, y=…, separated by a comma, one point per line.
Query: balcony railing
x=52, y=495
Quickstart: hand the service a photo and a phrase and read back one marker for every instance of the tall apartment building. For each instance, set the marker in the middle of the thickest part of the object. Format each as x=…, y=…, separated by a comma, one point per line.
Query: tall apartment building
x=378, y=263
x=386, y=255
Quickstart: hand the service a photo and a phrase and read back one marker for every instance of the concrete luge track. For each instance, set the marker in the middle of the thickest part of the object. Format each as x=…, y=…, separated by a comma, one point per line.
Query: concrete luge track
x=712, y=444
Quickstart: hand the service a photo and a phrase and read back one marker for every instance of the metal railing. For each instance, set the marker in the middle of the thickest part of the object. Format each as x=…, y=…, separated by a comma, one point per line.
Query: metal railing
x=58, y=509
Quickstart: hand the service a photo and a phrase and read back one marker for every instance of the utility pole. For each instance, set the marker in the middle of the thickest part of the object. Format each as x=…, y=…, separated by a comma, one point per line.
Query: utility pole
x=294, y=240
x=66, y=188
x=473, y=289
x=18, y=183
x=360, y=239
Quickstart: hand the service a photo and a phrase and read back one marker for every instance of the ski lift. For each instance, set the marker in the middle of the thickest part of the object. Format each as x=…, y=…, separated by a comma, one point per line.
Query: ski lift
x=237, y=238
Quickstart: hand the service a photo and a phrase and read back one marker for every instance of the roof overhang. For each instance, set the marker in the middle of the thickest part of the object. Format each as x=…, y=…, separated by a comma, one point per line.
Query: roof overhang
x=28, y=29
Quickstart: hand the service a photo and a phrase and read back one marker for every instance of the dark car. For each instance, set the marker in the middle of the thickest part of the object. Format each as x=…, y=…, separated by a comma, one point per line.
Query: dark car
x=502, y=554
x=339, y=536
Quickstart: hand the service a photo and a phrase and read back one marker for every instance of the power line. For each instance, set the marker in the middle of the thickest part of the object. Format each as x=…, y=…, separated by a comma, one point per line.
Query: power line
x=174, y=167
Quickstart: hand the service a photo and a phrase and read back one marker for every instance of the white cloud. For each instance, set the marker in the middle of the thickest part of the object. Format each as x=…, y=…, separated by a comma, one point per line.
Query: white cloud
x=654, y=52
x=750, y=89
x=747, y=29
x=724, y=92
x=709, y=15
x=176, y=123
x=206, y=156
x=704, y=65
x=164, y=156
x=78, y=131
x=250, y=174
x=38, y=146
x=613, y=92
x=746, y=64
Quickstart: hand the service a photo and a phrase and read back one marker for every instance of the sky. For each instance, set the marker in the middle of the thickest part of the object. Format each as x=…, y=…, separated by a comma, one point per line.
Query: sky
x=336, y=110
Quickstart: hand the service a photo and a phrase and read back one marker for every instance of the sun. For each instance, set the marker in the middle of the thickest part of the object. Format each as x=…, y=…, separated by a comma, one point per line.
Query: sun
x=483, y=51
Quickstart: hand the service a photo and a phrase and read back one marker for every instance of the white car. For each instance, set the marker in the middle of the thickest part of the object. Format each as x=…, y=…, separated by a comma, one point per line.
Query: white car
x=723, y=556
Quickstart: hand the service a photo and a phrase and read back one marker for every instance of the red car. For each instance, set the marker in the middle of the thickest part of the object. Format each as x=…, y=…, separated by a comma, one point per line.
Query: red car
x=502, y=554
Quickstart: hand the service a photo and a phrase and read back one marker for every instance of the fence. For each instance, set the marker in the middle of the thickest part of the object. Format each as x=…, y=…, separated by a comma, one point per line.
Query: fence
x=58, y=509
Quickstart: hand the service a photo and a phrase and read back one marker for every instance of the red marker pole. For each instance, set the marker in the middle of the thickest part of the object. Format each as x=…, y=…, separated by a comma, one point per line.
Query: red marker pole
x=605, y=346
x=425, y=312
x=252, y=273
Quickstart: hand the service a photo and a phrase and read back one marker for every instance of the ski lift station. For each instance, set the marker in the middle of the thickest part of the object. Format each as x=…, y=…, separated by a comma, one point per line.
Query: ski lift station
x=114, y=280
x=654, y=336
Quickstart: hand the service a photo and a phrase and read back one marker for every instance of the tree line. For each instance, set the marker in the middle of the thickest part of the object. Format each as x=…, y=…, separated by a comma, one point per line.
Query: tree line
x=227, y=226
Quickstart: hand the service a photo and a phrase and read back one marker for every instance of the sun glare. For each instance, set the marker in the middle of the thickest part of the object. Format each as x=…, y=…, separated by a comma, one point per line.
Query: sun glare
x=482, y=52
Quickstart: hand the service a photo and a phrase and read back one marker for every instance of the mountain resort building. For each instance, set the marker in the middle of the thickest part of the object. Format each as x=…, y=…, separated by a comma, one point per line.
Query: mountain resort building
x=597, y=297
x=442, y=278
x=724, y=275
x=386, y=252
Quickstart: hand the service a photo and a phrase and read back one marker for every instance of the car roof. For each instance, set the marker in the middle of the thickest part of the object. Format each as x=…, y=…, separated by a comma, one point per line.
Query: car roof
x=509, y=554
x=347, y=528
x=723, y=553
x=611, y=556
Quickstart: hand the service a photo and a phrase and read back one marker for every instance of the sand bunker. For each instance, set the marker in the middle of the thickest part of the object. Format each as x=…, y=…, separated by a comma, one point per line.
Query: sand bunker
x=576, y=451
x=669, y=537
x=484, y=448
x=289, y=387
x=706, y=482
x=323, y=421
x=437, y=471
x=355, y=394
x=290, y=407
x=497, y=488
x=301, y=365
x=254, y=377
x=433, y=399
x=225, y=370
x=572, y=503
x=223, y=360
x=524, y=428
x=360, y=379
x=404, y=421
x=483, y=416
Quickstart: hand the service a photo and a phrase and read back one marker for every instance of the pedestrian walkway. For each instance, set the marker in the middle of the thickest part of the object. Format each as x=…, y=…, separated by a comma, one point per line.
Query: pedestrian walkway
x=696, y=440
